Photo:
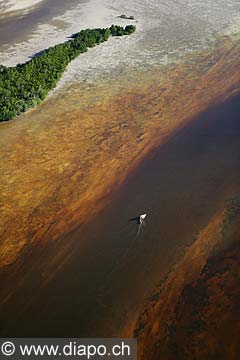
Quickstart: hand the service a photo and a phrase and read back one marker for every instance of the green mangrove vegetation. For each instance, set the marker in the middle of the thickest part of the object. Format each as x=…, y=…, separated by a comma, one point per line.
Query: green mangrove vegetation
x=26, y=85
x=123, y=16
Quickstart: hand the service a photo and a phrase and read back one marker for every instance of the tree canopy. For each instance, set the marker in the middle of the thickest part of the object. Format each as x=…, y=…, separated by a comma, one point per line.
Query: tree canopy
x=26, y=85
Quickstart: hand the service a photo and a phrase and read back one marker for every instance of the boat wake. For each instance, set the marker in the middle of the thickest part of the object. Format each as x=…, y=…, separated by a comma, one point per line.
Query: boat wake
x=140, y=221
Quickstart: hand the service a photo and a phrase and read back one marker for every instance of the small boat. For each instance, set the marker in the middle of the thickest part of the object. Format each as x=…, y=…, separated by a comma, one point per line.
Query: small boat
x=141, y=218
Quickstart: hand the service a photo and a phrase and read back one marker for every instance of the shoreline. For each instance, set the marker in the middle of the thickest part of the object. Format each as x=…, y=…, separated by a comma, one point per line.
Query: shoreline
x=86, y=15
x=18, y=101
x=115, y=55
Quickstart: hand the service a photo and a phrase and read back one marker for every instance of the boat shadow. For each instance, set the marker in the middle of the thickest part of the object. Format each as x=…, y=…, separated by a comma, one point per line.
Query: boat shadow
x=135, y=220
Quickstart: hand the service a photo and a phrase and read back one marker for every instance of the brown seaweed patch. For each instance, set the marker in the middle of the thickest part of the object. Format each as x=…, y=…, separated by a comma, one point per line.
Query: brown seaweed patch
x=195, y=312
